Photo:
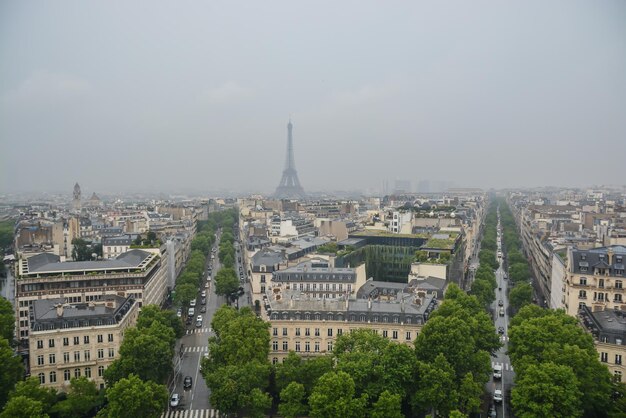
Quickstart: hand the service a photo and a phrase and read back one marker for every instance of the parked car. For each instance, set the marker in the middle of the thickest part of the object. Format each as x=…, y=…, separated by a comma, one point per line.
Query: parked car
x=174, y=400
x=203, y=294
x=500, y=303
x=500, y=330
x=189, y=320
x=203, y=301
x=198, y=324
x=179, y=312
x=192, y=303
x=203, y=309
x=492, y=411
x=187, y=382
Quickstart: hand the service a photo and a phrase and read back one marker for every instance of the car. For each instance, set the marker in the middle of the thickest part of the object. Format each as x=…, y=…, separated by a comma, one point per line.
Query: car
x=500, y=303
x=199, y=318
x=198, y=324
x=191, y=311
x=203, y=309
x=192, y=303
x=203, y=294
x=179, y=312
x=174, y=400
x=500, y=330
x=497, y=395
x=208, y=284
x=187, y=382
x=189, y=320
x=492, y=411
x=203, y=301
x=501, y=311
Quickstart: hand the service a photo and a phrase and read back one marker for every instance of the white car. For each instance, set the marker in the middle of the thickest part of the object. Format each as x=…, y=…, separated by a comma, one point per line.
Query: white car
x=192, y=303
x=174, y=400
x=199, y=318
x=208, y=284
x=203, y=294
x=497, y=395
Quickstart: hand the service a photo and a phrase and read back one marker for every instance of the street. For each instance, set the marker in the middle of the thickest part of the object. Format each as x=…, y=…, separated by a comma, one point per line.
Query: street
x=194, y=345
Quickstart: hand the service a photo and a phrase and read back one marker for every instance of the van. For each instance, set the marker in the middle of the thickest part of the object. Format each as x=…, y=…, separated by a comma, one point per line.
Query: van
x=501, y=311
x=191, y=311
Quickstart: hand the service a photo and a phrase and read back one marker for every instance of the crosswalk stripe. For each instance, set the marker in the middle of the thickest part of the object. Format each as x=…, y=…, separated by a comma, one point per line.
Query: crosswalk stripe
x=190, y=413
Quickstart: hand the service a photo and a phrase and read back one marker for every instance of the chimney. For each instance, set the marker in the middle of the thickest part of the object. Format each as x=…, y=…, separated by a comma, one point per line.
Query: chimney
x=59, y=309
x=402, y=304
x=291, y=302
x=369, y=303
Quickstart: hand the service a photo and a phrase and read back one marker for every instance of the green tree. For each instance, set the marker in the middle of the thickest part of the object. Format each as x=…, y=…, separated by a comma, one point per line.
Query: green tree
x=333, y=396
x=185, y=293
x=83, y=397
x=153, y=313
x=7, y=320
x=31, y=388
x=6, y=235
x=434, y=387
x=23, y=407
x=521, y=295
x=546, y=390
x=388, y=405
x=11, y=372
x=151, y=237
x=82, y=251
x=132, y=397
x=470, y=392
x=146, y=353
x=483, y=290
x=304, y=371
x=293, y=401
x=226, y=282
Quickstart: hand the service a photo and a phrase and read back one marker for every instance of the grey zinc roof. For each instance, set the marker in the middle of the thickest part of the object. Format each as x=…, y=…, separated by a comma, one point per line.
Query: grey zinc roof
x=266, y=257
x=592, y=257
x=121, y=240
x=37, y=261
x=129, y=259
x=377, y=287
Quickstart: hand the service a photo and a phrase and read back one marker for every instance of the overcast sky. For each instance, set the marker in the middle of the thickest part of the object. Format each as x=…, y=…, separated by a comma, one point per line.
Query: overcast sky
x=145, y=95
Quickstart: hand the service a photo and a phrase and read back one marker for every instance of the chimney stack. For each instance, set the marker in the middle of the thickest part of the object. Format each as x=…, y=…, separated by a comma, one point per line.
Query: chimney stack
x=59, y=310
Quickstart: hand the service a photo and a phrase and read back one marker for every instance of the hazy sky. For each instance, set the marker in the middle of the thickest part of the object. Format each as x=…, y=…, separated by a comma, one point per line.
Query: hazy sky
x=145, y=95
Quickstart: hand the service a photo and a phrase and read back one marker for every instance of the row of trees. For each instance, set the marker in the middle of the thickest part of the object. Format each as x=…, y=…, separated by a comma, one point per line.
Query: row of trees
x=558, y=370
x=366, y=375
x=519, y=270
x=484, y=284
x=12, y=368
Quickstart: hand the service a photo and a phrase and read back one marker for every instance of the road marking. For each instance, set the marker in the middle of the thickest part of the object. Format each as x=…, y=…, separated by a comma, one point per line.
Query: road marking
x=191, y=413
x=198, y=331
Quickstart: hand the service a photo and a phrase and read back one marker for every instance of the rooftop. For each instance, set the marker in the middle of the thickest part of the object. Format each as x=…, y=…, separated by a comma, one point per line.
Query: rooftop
x=50, y=264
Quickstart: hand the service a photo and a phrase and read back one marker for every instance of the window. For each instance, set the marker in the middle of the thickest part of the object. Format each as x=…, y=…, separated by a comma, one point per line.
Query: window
x=40, y=360
x=618, y=298
x=330, y=346
x=111, y=352
x=100, y=352
x=87, y=355
x=262, y=278
x=385, y=333
x=339, y=331
x=317, y=346
x=582, y=294
x=307, y=346
x=618, y=284
x=86, y=339
x=275, y=360
x=617, y=376
x=307, y=332
x=317, y=332
x=66, y=375
x=52, y=358
x=394, y=335
x=51, y=343
x=274, y=331
x=275, y=345
x=110, y=338
x=53, y=377
x=76, y=340
x=330, y=332
x=76, y=372
x=285, y=346
x=66, y=341
x=66, y=357
x=297, y=332
x=40, y=344
x=100, y=371
x=76, y=355
x=618, y=359
x=284, y=332
x=583, y=281
x=408, y=336
x=385, y=319
x=100, y=339
x=601, y=283
x=297, y=346
x=42, y=378
x=88, y=372
x=395, y=319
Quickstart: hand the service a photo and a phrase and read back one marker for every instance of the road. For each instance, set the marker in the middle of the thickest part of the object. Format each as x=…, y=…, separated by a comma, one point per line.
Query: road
x=7, y=285
x=195, y=345
x=502, y=321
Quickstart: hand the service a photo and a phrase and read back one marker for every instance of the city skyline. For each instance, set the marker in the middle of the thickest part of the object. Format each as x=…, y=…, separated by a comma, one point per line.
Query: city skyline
x=414, y=91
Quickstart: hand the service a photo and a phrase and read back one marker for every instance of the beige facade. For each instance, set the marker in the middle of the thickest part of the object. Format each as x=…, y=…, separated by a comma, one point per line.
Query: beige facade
x=75, y=340
x=613, y=356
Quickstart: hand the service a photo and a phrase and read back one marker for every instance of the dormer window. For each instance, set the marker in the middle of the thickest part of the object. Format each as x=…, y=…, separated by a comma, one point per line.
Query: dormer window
x=583, y=256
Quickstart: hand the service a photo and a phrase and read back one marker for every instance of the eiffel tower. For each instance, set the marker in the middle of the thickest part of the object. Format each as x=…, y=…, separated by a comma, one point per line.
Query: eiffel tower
x=289, y=187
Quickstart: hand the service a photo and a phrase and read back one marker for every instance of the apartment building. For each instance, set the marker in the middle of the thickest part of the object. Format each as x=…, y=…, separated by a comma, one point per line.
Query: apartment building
x=141, y=274
x=309, y=326
x=595, y=279
x=608, y=328
x=319, y=279
x=115, y=246
x=69, y=340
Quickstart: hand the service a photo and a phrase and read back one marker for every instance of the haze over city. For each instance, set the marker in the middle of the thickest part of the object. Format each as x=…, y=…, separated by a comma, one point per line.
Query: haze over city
x=481, y=94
